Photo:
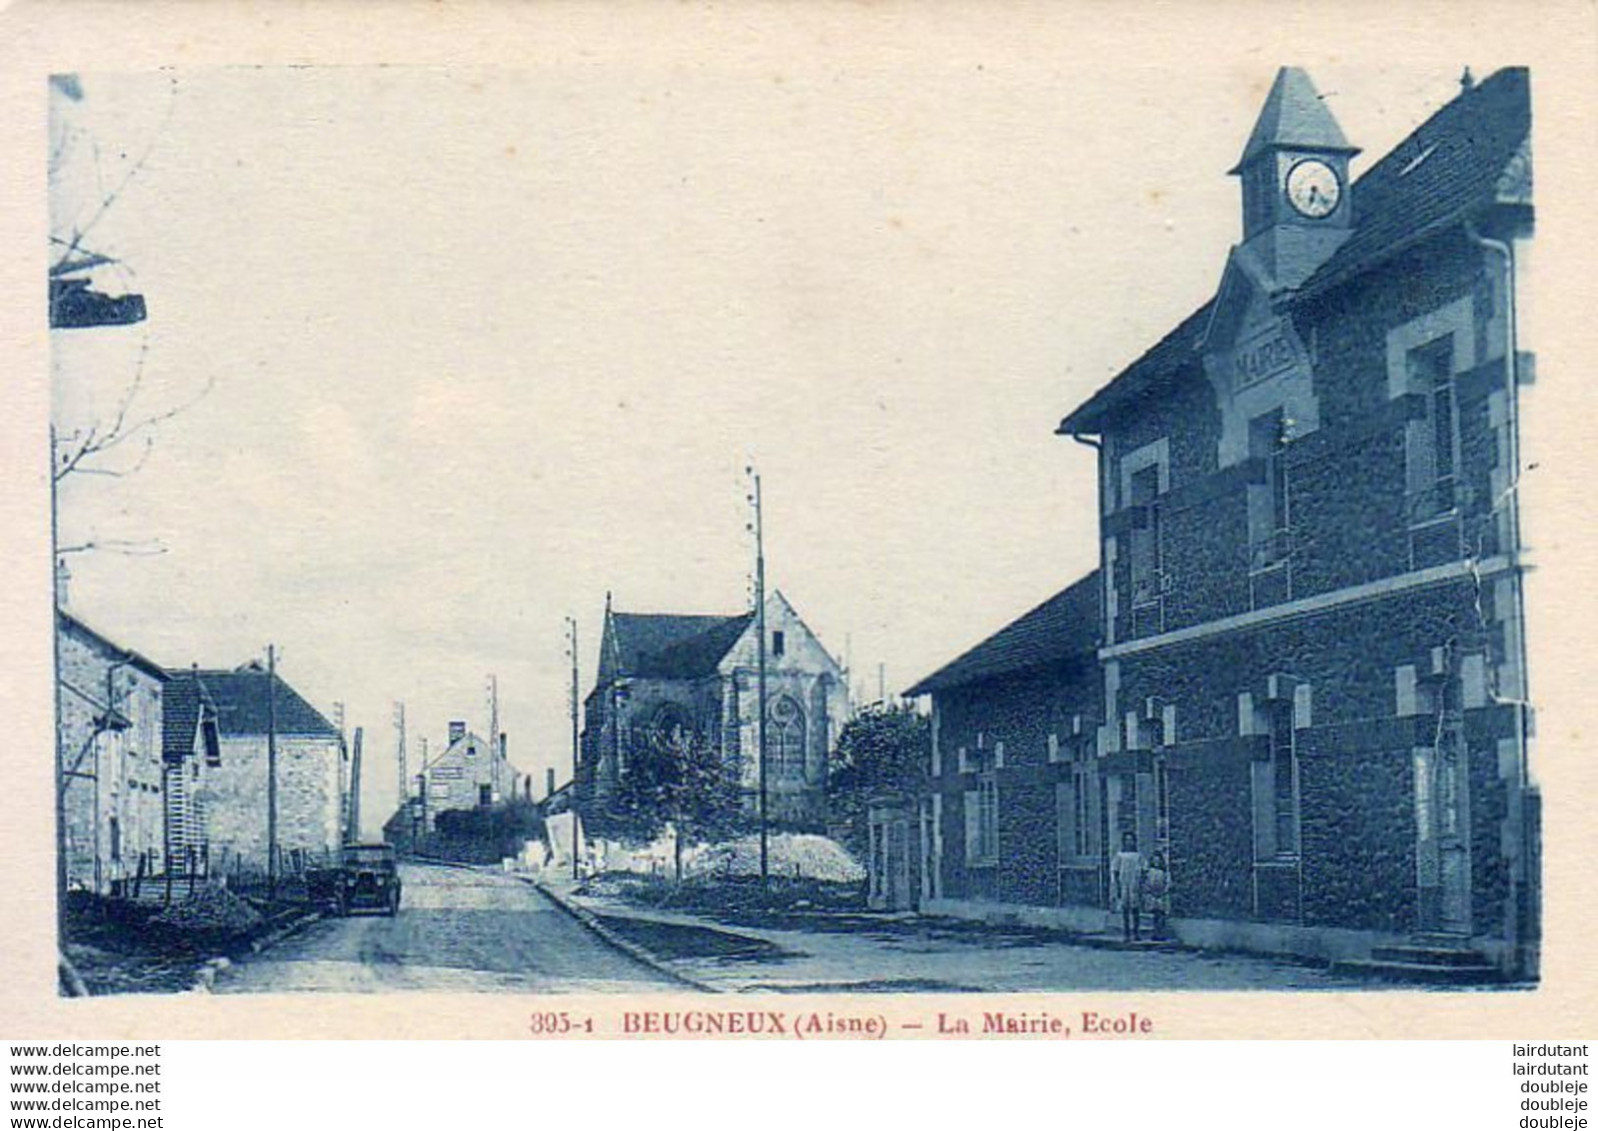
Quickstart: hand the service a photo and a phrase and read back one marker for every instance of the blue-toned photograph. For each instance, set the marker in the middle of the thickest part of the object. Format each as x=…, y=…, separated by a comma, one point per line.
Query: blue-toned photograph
x=715, y=531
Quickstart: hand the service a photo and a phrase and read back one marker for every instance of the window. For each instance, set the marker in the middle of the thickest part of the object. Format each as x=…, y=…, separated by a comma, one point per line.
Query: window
x=982, y=822
x=1078, y=813
x=471, y=751
x=1144, y=548
x=786, y=733
x=212, y=741
x=1268, y=530
x=779, y=643
x=116, y=840
x=1432, y=442
x=1276, y=787
x=485, y=795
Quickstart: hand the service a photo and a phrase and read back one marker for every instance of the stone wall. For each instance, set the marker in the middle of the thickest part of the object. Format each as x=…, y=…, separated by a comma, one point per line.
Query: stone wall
x=233, y=797
x=114, y=792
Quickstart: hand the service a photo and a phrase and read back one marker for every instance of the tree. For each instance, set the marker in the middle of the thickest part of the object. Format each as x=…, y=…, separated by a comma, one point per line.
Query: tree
x=676, y=778
x=884, y=748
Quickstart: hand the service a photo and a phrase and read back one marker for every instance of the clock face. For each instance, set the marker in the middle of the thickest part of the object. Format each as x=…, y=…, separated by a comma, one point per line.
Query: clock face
x=1313, y=188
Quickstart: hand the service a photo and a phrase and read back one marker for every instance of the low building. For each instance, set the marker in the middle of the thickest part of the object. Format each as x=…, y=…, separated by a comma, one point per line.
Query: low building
x=227, y=796
x=664, y=672
x=1016, y=794
x=110, y=738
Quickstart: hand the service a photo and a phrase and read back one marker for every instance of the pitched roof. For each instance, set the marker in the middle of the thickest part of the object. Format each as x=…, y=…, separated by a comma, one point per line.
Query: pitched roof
x=183, y=700
x=245, y=701
x=1064, y=627
x=672, y=646
x=1438, y=176
x=70, y=623
x=1294, y=116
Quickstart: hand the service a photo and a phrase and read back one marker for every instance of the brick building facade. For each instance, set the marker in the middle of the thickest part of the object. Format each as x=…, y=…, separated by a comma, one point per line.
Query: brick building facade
x=660, y=672
x=1311, y=665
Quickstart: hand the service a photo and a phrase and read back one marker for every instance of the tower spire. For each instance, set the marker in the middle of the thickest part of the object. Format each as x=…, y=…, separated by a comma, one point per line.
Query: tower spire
x=1294, y=117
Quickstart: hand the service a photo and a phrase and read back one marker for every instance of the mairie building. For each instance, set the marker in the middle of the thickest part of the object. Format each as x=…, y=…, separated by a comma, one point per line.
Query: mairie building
x=1302, y=676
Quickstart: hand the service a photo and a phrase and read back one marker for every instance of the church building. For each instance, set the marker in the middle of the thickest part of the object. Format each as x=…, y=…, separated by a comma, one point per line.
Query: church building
x=1310, y=660
x=698, y=674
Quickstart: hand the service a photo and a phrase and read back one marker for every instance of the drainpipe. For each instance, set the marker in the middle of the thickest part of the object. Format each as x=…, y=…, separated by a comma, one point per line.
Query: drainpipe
x=1104, y=579
x=1505, y=250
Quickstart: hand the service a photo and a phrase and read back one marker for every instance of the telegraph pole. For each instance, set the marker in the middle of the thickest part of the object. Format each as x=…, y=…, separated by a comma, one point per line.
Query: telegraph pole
x=571, y=637
x=493, y=733
x=760, y=676
x=271, y=772
x=404, y=778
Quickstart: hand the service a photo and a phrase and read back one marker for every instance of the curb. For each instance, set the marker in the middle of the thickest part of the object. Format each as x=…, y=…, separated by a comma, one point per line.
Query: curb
x=639, y=953
x=205, y=977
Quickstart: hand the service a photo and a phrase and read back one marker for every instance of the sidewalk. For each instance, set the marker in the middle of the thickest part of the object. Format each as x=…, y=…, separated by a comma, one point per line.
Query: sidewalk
x=906, y=953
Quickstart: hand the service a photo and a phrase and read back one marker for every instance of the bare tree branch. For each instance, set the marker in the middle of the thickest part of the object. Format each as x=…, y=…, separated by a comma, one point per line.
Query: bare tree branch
x=109, y=199
x=128, y=547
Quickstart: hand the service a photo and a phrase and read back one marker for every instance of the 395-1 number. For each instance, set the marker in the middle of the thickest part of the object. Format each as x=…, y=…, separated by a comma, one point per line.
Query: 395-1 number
x=552, y=1024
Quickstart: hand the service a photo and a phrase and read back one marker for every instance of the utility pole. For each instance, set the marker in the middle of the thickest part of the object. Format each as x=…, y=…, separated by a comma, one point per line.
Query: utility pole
x=271, y=772
x=404, y=777
x=343, y=772
x=493, y=733
x=60, y=731
x=571, y=638
x=760, y=675
x=352, y=834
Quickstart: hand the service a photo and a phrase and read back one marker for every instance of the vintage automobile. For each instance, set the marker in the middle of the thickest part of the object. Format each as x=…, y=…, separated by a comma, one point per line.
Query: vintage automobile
x=369, y=879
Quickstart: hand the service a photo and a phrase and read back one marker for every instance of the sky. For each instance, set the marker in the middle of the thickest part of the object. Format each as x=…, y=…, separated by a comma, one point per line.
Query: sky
x=460, y=350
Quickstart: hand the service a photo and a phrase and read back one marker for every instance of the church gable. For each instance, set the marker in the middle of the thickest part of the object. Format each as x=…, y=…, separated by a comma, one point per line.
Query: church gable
x=789, y=644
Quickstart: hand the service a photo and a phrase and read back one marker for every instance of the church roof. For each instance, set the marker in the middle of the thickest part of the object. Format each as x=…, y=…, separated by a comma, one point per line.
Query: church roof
x=671, y=645
x=1295, y=117
x=1064, y=627
x=1439, y=175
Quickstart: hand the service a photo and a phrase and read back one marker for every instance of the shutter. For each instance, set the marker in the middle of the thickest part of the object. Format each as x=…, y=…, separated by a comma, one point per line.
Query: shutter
x=1065, y=808
x=1092, y=783
x=1145, y=813
x=1264, y=792
x=973, y=824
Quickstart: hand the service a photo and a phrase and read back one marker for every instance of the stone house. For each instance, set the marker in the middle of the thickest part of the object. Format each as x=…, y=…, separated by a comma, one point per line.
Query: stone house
x=111, y=747
x=663, y=672
x=469, y=773
x=1311, y=654
x=224, y=796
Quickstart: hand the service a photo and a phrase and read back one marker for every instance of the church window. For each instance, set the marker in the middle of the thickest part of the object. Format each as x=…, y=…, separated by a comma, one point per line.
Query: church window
x=786, y=732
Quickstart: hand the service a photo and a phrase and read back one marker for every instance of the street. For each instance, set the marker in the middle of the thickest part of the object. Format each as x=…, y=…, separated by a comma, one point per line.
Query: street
x=457, y=930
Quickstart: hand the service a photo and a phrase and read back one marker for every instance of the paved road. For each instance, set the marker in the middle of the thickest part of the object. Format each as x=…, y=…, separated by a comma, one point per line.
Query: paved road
x=457, y=930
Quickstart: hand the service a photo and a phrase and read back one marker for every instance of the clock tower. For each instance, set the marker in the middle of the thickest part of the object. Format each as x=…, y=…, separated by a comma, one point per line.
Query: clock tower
x=1294, y=171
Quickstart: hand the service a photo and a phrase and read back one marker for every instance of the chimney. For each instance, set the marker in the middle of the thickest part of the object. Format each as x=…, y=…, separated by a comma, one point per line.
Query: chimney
x=457, y=730
x=63, y=581
x=549, y=782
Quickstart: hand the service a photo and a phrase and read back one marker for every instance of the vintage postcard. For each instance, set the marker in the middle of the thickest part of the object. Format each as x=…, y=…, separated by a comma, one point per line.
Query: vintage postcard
x=933, y=521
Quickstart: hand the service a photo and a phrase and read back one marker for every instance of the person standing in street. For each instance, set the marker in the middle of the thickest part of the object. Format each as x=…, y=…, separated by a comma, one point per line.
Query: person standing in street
x=1126, y=884
x=1157, y=893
